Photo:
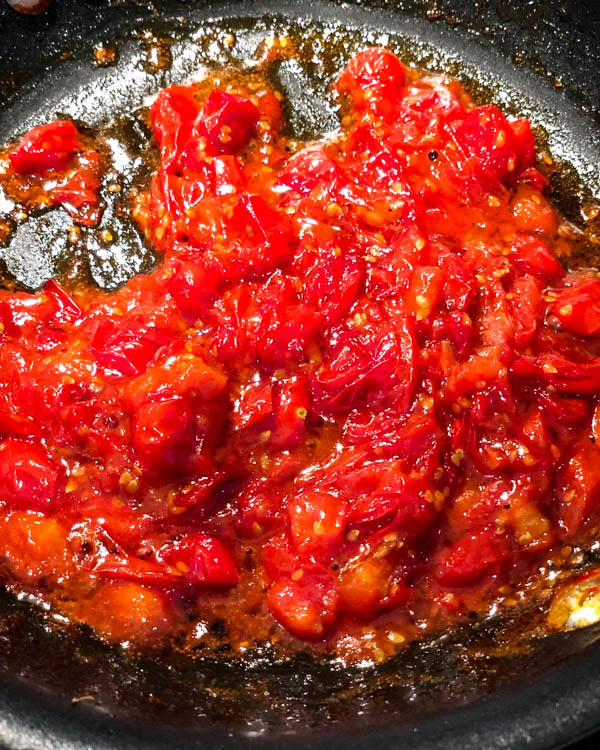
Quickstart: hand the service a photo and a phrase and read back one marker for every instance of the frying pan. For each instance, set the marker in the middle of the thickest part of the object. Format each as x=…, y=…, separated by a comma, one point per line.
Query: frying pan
x=498, y=684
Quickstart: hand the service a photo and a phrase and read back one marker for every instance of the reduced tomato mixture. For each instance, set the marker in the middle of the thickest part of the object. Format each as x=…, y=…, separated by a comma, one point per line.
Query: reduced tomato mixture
x=356, y=403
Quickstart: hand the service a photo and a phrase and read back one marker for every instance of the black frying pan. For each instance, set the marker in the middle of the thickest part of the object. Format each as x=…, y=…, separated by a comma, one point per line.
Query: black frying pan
x=496, y=685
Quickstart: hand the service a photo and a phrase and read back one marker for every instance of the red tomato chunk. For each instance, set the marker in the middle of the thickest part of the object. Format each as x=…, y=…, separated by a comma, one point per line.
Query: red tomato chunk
x=357, y=401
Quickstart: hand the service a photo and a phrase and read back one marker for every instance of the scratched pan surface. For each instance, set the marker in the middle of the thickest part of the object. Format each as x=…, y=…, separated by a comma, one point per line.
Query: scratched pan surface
x=496, y=685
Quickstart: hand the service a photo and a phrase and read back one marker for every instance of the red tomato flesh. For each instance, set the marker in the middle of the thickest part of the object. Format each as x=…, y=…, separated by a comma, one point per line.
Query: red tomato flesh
x=356, y=401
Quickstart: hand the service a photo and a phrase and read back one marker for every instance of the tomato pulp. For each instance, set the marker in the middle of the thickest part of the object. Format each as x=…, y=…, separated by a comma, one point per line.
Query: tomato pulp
x=357, y=401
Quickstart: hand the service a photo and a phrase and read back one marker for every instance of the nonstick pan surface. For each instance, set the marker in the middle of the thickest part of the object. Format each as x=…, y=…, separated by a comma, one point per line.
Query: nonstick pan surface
x=494, y=686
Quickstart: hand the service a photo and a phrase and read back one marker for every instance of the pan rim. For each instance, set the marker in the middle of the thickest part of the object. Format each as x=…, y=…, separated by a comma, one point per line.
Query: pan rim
x=572, y=686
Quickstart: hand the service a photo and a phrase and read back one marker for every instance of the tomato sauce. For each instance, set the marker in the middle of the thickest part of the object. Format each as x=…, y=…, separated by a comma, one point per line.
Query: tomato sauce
x=356, y=403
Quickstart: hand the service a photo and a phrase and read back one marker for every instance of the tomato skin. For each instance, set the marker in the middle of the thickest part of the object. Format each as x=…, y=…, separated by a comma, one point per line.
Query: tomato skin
x=523, y=141
x=292, y=405
x=416, y=440
x=163, y=434
x=360, y=365
x=526, y=305
x=457, y=328
x=317, y=522
x=198, y=560
x=332, y=284
x=228, y=121
x=202, y=560
x=260, y=510
x=227, y=175
x=255, y=405
x=121, y=524
x=471, y=559
x=374, y=72
x=200, y=499
x=177, y=373
x=565, y=376
x=281, y=326
x=309, y=169
x=306, y=607
x=280, y=559
x=577, y=309
x=68, y=311
x=29, y=477
x=79, y=193
x=533, y=256
x=173, y=113
x=45, y=148
x=267, y=226
x=486, y=135
x=125, y=350
x=193, y=286
x=136, y=570
x=459, y=285
x=578, y=486
x=562, y=410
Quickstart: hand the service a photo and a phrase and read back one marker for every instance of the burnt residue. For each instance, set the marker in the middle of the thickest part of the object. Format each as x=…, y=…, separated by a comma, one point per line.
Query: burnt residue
x=104, y=55
x=257, y=695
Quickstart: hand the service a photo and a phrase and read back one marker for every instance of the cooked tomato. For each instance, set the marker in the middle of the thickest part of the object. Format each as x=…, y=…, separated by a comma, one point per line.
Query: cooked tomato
x=357, y=400
x=47, y=147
